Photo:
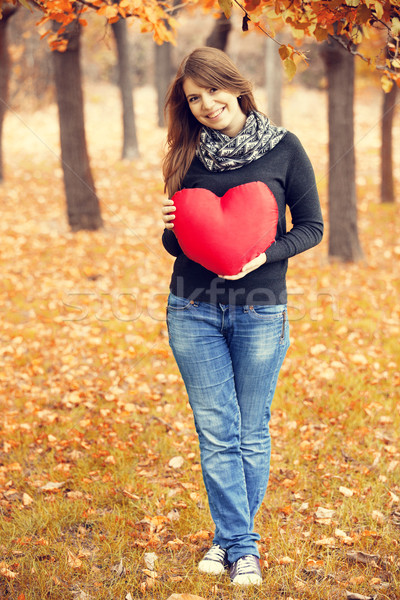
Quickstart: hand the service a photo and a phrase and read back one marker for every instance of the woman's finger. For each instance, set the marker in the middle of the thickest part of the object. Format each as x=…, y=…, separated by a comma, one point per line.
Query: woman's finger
x=168, y=220
x=168, y=209
x=168, y=202
x=233, y=277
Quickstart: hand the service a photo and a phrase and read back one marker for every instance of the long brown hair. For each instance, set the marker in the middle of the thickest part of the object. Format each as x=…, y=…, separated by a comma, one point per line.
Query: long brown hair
x=207, y=67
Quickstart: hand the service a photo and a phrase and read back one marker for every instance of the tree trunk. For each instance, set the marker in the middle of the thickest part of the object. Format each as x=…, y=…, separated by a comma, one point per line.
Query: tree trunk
x=388, y=110
x=218, y=37
x=273, y=81
x=343, y=232
x=8, y=11
x=83, y=206
x=130, y=148
x=163, y=76
x=164, y=70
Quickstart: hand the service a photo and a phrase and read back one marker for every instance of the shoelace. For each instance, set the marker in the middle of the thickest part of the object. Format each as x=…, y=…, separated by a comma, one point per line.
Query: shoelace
x=245, y=565
x=216, y=553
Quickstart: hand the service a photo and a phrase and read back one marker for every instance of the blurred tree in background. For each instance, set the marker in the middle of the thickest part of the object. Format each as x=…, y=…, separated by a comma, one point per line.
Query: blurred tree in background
x=218, y=37
x=130, y=148
x=388, y=111
x=342, y=197
x=8, y=12
x=83, y=207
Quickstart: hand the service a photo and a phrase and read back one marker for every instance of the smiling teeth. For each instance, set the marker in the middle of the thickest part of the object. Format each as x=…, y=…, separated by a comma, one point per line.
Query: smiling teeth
x=213, y=115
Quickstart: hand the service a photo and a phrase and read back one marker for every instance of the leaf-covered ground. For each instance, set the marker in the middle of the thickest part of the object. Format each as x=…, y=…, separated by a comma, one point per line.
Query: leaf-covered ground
x=101, y=495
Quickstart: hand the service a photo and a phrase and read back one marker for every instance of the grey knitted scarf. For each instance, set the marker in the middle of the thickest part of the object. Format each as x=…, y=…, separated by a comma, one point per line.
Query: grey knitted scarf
x=219, y=152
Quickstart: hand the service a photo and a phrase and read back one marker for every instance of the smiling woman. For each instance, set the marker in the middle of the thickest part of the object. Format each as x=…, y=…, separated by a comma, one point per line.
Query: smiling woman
x=230, y=174
x=208, y=69
x=218, y=109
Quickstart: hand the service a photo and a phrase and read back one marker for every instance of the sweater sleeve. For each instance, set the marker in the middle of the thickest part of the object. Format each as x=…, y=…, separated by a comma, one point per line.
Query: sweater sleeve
x=302, y=198
x=170, y=242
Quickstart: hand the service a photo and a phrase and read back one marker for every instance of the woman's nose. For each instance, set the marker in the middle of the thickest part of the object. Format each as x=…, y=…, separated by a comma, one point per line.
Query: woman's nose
x=207, y=101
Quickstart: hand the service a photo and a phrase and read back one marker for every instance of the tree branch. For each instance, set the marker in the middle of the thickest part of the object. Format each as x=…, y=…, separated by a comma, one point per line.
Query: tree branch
x=351, y=48
x=256, y=24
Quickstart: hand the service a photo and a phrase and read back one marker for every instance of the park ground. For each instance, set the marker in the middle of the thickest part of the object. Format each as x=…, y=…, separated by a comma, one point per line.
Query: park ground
x=101, y=495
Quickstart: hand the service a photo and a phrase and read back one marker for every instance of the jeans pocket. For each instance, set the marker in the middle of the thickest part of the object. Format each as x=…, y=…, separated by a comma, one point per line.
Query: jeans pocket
x=274, y=316
x=176, y=303
x=267, y=312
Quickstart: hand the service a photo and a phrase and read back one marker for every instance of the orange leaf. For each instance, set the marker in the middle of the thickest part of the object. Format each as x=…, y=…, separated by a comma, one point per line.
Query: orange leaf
x=286, y=510
x=284, y=52
x=108, y=11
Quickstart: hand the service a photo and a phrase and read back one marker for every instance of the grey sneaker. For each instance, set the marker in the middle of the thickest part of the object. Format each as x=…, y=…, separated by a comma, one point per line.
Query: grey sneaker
x=246, y=571
x=215, y=561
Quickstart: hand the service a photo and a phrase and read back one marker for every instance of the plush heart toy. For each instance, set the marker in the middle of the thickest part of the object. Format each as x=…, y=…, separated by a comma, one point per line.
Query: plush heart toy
x=223, y=234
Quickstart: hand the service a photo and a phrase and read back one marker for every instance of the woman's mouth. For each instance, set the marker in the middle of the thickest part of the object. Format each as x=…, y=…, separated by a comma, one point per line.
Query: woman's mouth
x=216, y=113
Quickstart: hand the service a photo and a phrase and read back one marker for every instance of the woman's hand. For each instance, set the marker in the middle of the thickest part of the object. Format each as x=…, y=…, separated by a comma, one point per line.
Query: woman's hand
x=250, y=266
x=168, y=210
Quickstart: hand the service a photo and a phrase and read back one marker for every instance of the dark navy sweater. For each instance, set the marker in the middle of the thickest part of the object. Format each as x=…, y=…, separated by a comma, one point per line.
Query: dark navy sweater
x=287, y=171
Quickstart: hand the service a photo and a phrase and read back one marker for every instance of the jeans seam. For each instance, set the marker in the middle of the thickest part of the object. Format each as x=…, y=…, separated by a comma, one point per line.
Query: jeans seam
x=284, y=318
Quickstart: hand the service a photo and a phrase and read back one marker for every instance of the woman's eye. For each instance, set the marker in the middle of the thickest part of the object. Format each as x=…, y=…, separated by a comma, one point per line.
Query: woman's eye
x=193, y=99
x=213, y=90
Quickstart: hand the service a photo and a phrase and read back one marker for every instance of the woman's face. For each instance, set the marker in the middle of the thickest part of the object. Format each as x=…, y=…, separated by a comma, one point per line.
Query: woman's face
x=217, y=109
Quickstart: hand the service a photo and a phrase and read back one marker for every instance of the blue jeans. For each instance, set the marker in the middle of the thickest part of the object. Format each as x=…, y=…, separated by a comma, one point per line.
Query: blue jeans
x=229, y=358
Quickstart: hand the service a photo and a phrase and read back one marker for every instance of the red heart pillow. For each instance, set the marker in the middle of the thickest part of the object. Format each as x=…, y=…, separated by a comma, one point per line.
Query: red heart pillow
x=223, y=234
